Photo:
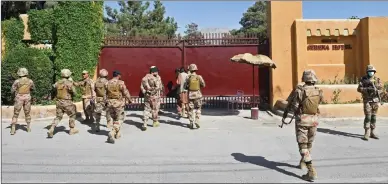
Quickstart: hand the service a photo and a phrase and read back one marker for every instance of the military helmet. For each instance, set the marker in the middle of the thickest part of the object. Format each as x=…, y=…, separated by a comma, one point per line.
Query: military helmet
x=370, y=68
x=22, y=72
x=193, y=67
x=153, y=69
x=309, y=76
x=65, y=73
x=103, y=73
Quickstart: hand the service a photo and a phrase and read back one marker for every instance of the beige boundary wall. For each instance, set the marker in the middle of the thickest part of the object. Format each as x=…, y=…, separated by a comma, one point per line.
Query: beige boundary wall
x=37, y=112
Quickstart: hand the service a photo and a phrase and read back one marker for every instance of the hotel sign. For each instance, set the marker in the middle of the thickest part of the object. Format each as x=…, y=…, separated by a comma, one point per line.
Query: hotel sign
x=328, y=47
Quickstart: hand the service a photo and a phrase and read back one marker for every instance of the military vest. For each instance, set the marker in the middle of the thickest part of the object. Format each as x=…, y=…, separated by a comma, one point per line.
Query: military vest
x=100, y=88
x=113, y=90
x=24, y=86
x=194, y=83
x=63, y=91
x=86, y=88
x=311, y=100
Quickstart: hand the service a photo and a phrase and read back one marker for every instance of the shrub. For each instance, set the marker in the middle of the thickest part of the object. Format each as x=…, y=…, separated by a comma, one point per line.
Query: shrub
x=13, y=33
x=40, y=25
x=39, y=68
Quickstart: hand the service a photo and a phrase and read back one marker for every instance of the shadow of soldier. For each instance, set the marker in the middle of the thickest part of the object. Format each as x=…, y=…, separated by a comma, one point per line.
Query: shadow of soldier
x=336, y=132
x=18, y=127
x=261, y=161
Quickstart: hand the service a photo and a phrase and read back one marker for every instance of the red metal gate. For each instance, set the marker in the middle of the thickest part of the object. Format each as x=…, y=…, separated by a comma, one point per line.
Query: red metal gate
x=134, y=56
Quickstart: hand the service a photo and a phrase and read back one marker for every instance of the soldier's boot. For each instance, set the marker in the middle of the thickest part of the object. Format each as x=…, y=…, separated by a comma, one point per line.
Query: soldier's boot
x=28, y=127
x=13, y=129
x=191, y=125
x=311, y=174
x=366, y=134
x=302, y=164
x=118, y=134
x=111, y=136
x=197, y=123
x=373, y=134
x=155, y=124
x=184, y=114
x=109, y=124
x=73, y=131
x=144, y=127
x=50, y=133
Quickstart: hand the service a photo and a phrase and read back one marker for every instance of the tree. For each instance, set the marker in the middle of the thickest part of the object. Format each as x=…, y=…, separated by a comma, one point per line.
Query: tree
x=254, y=21
x=193, y=35
x=134, y=19
x=354, y=17
x=12, y=9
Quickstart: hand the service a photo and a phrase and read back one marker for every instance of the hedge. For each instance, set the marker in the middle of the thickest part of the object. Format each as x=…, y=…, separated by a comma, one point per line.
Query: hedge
x=13, y=32
x=40, y=25
x=78, y=36
x=39, y=67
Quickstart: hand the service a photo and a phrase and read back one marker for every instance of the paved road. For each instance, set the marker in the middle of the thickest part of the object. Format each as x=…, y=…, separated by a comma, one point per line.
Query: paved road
x=227, y=148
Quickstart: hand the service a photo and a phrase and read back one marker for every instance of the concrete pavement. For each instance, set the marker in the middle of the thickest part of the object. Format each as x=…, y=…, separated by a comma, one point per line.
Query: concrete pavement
x=227, y=148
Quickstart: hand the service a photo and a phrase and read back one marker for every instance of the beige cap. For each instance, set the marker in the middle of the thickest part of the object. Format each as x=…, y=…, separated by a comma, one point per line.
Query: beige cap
x=85, y=72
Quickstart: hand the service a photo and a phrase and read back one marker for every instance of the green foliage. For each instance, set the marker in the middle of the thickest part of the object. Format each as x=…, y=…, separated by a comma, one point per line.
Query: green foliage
x=78, y=36
x=39, y=68
x=336, y=96
x=13, y=32
x=354, y=17
x=345, y=80
x=133, y=19
x=254, y=21
x=40, y=25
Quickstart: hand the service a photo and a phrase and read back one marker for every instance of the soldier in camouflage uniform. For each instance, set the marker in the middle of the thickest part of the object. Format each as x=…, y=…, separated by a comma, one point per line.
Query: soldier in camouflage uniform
x=151, y=86
x=194, y=83
x=88, y=95
x=100, y=104
x=65, y=91
x=370, y=86
x=304, y=102
x=182, y=105
x=22, y=88
x=116, y=93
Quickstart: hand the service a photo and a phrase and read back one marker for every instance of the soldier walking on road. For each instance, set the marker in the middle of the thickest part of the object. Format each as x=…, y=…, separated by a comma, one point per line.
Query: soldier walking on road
x=22, y=88
x=151, y=86
x=88, y=95
x=65, y=92
x=100, y=104
x=304, y=102
x=193, y=84
x=183, y=101
x=370, y=87
x=117, y=95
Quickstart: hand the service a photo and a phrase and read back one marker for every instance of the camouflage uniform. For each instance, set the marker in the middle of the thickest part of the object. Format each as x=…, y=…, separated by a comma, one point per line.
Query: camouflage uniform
x=306, y=118
x=182, y=105
x=88, y=96
x=65, y=91
x=369, y=87
x=22, y=88
x=100, y=103
x=195, y=95
x=116, y=91
x=151, y=86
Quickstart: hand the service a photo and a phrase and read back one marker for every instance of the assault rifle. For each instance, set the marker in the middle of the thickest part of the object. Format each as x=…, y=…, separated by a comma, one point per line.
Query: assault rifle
x=285, y=114
x=378, y=94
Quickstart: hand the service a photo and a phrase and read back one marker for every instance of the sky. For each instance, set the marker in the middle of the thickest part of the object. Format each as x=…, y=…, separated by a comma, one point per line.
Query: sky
x=227, y=14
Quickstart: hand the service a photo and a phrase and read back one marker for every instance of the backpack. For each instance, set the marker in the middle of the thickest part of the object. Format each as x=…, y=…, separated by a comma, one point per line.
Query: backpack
x=311, y=100
x=194, y=83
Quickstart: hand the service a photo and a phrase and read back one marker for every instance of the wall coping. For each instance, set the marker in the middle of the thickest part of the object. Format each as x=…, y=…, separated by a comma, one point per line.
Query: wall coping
x=351, y=86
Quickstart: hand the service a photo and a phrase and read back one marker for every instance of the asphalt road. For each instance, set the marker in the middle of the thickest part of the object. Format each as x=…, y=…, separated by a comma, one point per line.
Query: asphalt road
x=227, y=148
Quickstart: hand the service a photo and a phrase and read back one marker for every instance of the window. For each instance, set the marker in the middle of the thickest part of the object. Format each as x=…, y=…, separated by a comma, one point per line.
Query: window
x=308, y=32
x=318, y=32
x=327, y=33
x=346, y=32
x=336, y=32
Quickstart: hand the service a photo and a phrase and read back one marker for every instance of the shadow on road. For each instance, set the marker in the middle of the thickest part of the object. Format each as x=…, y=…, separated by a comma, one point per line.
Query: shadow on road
x=175, y=123
x=336, y=132
x=261, y=161
x=135, y=124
